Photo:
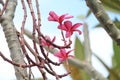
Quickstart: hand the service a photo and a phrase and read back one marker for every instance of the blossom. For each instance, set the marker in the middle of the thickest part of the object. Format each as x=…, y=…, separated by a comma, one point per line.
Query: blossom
x=69, y=28
x=54, y=17
x=63, y=55
x=47, y=43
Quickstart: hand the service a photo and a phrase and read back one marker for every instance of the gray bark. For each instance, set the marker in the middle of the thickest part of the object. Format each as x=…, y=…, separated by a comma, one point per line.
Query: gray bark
x=12, y=39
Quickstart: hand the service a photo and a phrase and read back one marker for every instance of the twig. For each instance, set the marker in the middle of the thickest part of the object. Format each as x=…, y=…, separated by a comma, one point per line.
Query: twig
x=4, y=7
x=80, y=64
x=15, y=64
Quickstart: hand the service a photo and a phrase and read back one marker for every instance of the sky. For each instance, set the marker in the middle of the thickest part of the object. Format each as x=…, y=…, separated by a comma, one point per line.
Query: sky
x=101, y=43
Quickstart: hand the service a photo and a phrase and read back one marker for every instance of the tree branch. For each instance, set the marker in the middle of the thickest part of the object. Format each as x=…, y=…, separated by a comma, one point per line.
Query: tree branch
x=87, y=50
x=98, y=10
x=12, y=39
x=80, y=64
x=88, y=68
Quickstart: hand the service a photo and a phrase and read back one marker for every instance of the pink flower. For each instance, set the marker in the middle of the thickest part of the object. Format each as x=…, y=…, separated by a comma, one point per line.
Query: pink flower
x=63, y=55
x=69, y=28
x=54, y=17
x=46, y=43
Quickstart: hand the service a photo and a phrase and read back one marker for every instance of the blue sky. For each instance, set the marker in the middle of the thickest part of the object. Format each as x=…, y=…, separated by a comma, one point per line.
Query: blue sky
x=101, y=43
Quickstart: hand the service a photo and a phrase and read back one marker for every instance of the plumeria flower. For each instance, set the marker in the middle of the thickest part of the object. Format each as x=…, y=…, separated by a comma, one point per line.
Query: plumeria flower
x=54, y=17
x=44, y=43
x=70, y=28
x=63, y=55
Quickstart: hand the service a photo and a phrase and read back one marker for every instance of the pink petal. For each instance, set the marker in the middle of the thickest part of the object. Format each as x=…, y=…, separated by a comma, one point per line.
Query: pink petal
x=44, y=42
x=53, y=16
x=61, y=59
x=76, y=26
x=63, y=52
x=50, y=18
x=62, y=27
x=78, y=31
x=47, y=37
x=57, y=54
x=62, y=17
x=68, y=17
x=68, y=25
x=69, y=51
x=53, y=39
x=68, y=34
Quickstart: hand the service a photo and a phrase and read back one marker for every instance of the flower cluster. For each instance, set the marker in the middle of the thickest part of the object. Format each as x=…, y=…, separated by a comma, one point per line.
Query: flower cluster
x=40, y=57
x=66, y=26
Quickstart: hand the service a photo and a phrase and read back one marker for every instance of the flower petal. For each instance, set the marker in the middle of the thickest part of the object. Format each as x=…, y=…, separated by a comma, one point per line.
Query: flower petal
x=68, y=34
x=53, y=40
x=78, y=31
x=62, y=27
x=63, y=52
x=61, y=60
x=53, y=16
x=69, y=51
x=64, y=16
x=68, y=17
x=57, y=54
x=68, y=25
x=50, y=18
x=76, y=26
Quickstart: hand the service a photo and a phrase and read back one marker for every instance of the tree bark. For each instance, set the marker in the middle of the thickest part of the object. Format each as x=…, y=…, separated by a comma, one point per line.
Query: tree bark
x=99, y=12
x=12, y=39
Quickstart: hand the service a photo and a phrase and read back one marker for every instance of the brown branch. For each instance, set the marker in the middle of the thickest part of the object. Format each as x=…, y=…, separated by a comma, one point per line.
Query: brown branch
x=18, y=65
x=80, y=64
x=4, y=7
x=57, y=46
x=1, y=2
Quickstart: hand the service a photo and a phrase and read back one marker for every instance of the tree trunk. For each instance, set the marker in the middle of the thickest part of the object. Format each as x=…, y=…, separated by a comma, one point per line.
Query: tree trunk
x=12, y=39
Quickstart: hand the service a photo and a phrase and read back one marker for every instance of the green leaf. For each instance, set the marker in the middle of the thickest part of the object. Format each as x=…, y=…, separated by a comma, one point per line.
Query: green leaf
x=88, y=13
x=116, y=56
x=75, y=72
x=112, y=72
x=117, y=23
x=79, y=49
x=78, y=74
x=113, y=6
